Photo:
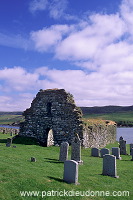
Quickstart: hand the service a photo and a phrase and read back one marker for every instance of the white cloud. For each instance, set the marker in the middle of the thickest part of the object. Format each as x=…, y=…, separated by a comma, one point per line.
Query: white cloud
x=89, y=89
x=49, y=37
x=38, y=5
x=126, y=11
x=17, y=79
x=57, y=8
x=87, y=42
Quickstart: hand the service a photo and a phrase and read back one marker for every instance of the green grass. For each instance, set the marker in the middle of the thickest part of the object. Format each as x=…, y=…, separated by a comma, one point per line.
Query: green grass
x=17, y=173
x=122, y=116
x=9, y=119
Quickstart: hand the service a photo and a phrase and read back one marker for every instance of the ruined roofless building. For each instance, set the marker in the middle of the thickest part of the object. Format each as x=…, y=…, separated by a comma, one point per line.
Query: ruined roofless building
x=52, y=111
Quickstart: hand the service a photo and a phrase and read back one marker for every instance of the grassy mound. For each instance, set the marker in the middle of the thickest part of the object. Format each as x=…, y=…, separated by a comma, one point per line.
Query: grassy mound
x=18, y=174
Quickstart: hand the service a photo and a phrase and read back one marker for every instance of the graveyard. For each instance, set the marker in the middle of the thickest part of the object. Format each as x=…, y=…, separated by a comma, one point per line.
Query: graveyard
x=19, y=174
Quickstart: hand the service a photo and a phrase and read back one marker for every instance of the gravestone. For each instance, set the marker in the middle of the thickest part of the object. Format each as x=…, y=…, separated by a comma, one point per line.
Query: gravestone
x=109, y=166
x=131, y=146
x=9, y=142
x=121, y=138
x=95, y=152
x=132, y=154
x=122, y=147
x=64, y=151
x=116, y=152
x=33, y=159
x=70, y=171
x=104, y=151
x=76, y=149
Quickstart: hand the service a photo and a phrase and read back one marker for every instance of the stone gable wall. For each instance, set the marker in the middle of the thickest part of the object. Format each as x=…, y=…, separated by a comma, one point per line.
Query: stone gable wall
x=56, y=110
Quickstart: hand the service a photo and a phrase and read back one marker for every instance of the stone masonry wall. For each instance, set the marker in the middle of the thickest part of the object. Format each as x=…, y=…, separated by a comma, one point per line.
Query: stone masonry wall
x=9, y=130
x=55, y=110
x=99, y=135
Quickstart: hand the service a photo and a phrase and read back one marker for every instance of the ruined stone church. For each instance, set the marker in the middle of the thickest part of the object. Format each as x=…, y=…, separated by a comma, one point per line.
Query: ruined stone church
x=53, y=118
x=53, y=115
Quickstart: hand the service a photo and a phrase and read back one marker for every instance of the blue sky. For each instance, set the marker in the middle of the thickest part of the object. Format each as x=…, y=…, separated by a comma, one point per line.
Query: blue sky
x=83, y=46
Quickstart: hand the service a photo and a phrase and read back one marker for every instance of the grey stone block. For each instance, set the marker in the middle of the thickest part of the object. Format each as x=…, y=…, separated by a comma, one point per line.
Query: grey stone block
x=95, y=152
x=104, y=151
x=64, y=151
x=109, y=166
x=70, y=171
x=76, y=150
x=116, y=152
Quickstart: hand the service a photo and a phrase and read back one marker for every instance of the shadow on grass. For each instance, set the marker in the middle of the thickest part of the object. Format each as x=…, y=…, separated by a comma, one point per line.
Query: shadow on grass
x=56, y=179
x=53, y=160
x=3, y=140
x=25, y=140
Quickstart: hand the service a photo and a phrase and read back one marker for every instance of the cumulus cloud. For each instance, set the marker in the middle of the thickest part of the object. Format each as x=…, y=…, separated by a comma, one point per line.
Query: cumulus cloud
x=89, y=89
x=49, y=37
x=17, y=79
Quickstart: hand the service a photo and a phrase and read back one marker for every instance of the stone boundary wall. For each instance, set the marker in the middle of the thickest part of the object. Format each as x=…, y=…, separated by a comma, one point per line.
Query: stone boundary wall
x=99, y=136
x=13, y=131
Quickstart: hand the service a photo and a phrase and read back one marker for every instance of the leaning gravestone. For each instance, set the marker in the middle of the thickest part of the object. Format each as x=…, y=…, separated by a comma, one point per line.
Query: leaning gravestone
x=104, y=151
x=70, y=171
x=122, y=147
x=76, y=149
x=116, y=152
x=131, y=146
x=63, y=151
x=95, y=152
x=9, y=142
x=109, y=166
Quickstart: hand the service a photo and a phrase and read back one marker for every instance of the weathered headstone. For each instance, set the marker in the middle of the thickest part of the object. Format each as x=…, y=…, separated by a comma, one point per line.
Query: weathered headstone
x=122, y=147
x=109, y=166
x=132, y=154
x=104, y=151
x=131, y=146
x=76, y=150
x=9, y=142
x=116, y=152
x=70, y=171
x=95, y=152
x=64, y=151
x=33, y=159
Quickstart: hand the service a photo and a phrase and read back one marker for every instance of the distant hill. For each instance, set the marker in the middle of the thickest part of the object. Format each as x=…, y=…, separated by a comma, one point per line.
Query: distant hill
x=106, y=109
x=11, y=113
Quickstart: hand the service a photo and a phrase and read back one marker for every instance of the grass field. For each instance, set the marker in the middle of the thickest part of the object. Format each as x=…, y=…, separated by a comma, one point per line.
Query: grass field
x=9, y=119
x=17, y=173
x=121, y=116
